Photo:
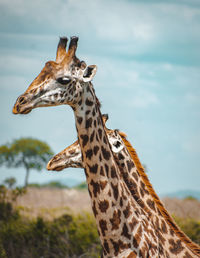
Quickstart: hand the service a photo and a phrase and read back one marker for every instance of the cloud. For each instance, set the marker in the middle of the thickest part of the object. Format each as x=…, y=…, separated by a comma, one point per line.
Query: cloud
x=148, y=30
x=143, y=99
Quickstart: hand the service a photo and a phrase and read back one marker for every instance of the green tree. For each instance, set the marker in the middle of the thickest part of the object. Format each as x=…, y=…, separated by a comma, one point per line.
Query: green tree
x=25, y=152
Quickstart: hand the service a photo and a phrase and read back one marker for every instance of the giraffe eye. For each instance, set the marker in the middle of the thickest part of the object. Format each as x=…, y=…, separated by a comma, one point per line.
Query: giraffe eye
x=63, y=80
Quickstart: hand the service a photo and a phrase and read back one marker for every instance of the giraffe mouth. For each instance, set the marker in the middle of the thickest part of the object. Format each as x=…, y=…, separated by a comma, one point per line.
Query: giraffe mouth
x=26, y=111
x=16, y=110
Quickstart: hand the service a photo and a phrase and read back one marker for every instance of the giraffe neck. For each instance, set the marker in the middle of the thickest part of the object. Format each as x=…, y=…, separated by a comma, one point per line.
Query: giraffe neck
x=116, y=214
x=171, y=240
x=126, y=221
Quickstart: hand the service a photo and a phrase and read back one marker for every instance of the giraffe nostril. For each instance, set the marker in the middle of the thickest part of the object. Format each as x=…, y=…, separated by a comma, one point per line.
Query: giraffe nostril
x=22, y=100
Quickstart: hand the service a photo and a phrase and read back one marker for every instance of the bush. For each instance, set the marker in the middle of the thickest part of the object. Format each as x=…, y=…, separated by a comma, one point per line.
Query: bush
x=190, y=227
x=67, y=236
x=83, y=236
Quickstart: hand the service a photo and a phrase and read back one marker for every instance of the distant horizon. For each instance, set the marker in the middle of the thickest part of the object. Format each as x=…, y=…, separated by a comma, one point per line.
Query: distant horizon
x=71, y=183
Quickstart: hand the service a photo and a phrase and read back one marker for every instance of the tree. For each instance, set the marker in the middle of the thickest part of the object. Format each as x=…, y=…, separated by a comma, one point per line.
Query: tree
x=25, y=152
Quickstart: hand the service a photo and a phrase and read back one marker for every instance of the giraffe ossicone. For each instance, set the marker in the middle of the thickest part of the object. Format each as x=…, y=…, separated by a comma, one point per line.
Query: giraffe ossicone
x=129, y=222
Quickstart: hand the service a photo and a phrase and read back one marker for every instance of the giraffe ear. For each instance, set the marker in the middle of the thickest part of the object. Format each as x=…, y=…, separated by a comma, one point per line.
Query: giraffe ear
x=89, y=73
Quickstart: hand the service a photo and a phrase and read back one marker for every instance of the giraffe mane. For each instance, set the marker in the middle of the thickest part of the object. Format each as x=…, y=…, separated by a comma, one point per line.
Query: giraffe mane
x=194, y=247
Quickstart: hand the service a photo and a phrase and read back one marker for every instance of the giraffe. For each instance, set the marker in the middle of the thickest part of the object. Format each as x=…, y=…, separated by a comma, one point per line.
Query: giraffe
x=71, y=157
x=126, y=224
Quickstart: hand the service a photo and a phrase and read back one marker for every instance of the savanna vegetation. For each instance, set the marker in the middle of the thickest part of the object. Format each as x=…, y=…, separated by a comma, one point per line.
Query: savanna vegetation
x=71, y=234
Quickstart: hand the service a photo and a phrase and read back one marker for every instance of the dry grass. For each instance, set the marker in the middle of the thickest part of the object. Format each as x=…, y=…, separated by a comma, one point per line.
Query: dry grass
x=51, y=203
x=183, y=208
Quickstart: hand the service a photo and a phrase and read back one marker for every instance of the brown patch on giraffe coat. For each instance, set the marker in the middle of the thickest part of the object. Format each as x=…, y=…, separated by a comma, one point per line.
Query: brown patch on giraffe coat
x=151, y=204
x=187, y=255
x=105, y=140
x=164, y=227
x=119, y=246
x=175, y=246
x=120, y=156
x=127, y=211
x=132, y=255
x=89, y=102
x=93, y=112
x=130, y=165
x=142, y=252
x=88, y=123
x=93, y=169
x=115, y=191
x=97, y=138
x=84, y=138
x=102, y=171
x=141, y=192
x=125, y=231
x=96, y=149
x=106, y=154
x=103, y=226
x=113, y=172
x=109, y=193
x=100, y=133
x=116, y=219
x=143, y=186
x=100, y=158
x=106, y=247
x=96, y=188
x=137, y=237
x=103, y=184
x=103, y=205
x=94, y=209
x=89, y=154
x=133, y=223
x=135, y=176
x=107, y=170
x=92, y=136
x=121, y=202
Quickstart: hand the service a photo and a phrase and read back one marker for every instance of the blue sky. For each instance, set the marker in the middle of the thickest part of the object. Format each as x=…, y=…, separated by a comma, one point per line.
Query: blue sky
x=148, y=58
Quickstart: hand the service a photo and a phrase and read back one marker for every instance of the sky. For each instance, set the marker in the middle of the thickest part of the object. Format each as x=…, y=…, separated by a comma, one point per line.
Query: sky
x=148, y=79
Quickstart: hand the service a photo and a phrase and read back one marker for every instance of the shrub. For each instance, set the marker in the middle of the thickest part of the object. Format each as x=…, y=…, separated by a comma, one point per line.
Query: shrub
x=190, y=227
x=66, y=236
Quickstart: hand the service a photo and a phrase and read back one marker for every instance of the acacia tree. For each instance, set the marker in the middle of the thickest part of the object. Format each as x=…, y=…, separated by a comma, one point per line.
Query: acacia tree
x=25, y=152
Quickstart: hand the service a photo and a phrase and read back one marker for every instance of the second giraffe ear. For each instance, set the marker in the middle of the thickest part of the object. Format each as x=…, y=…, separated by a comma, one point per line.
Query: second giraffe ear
x=89, y=73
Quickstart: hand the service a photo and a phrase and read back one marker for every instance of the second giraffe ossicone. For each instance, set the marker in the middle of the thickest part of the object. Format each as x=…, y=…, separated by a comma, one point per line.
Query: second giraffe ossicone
x=125, y=223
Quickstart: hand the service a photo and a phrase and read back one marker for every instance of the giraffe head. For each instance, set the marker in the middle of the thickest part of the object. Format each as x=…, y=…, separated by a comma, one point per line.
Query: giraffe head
x=59, y=82
x=72, y=157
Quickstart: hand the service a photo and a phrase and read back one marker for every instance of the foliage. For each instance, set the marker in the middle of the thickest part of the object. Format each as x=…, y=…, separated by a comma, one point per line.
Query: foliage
x=55, y=184
x=83, y=227
x=25, y=152
x=190, y=227
x=81, y=186
x=66, y=236
x=190, y=197
x=10, y=195
x=10, y=182
x=52, y=184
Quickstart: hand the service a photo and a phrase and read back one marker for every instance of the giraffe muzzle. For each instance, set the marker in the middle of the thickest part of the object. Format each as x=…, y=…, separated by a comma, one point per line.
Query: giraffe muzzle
x=21, y=106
